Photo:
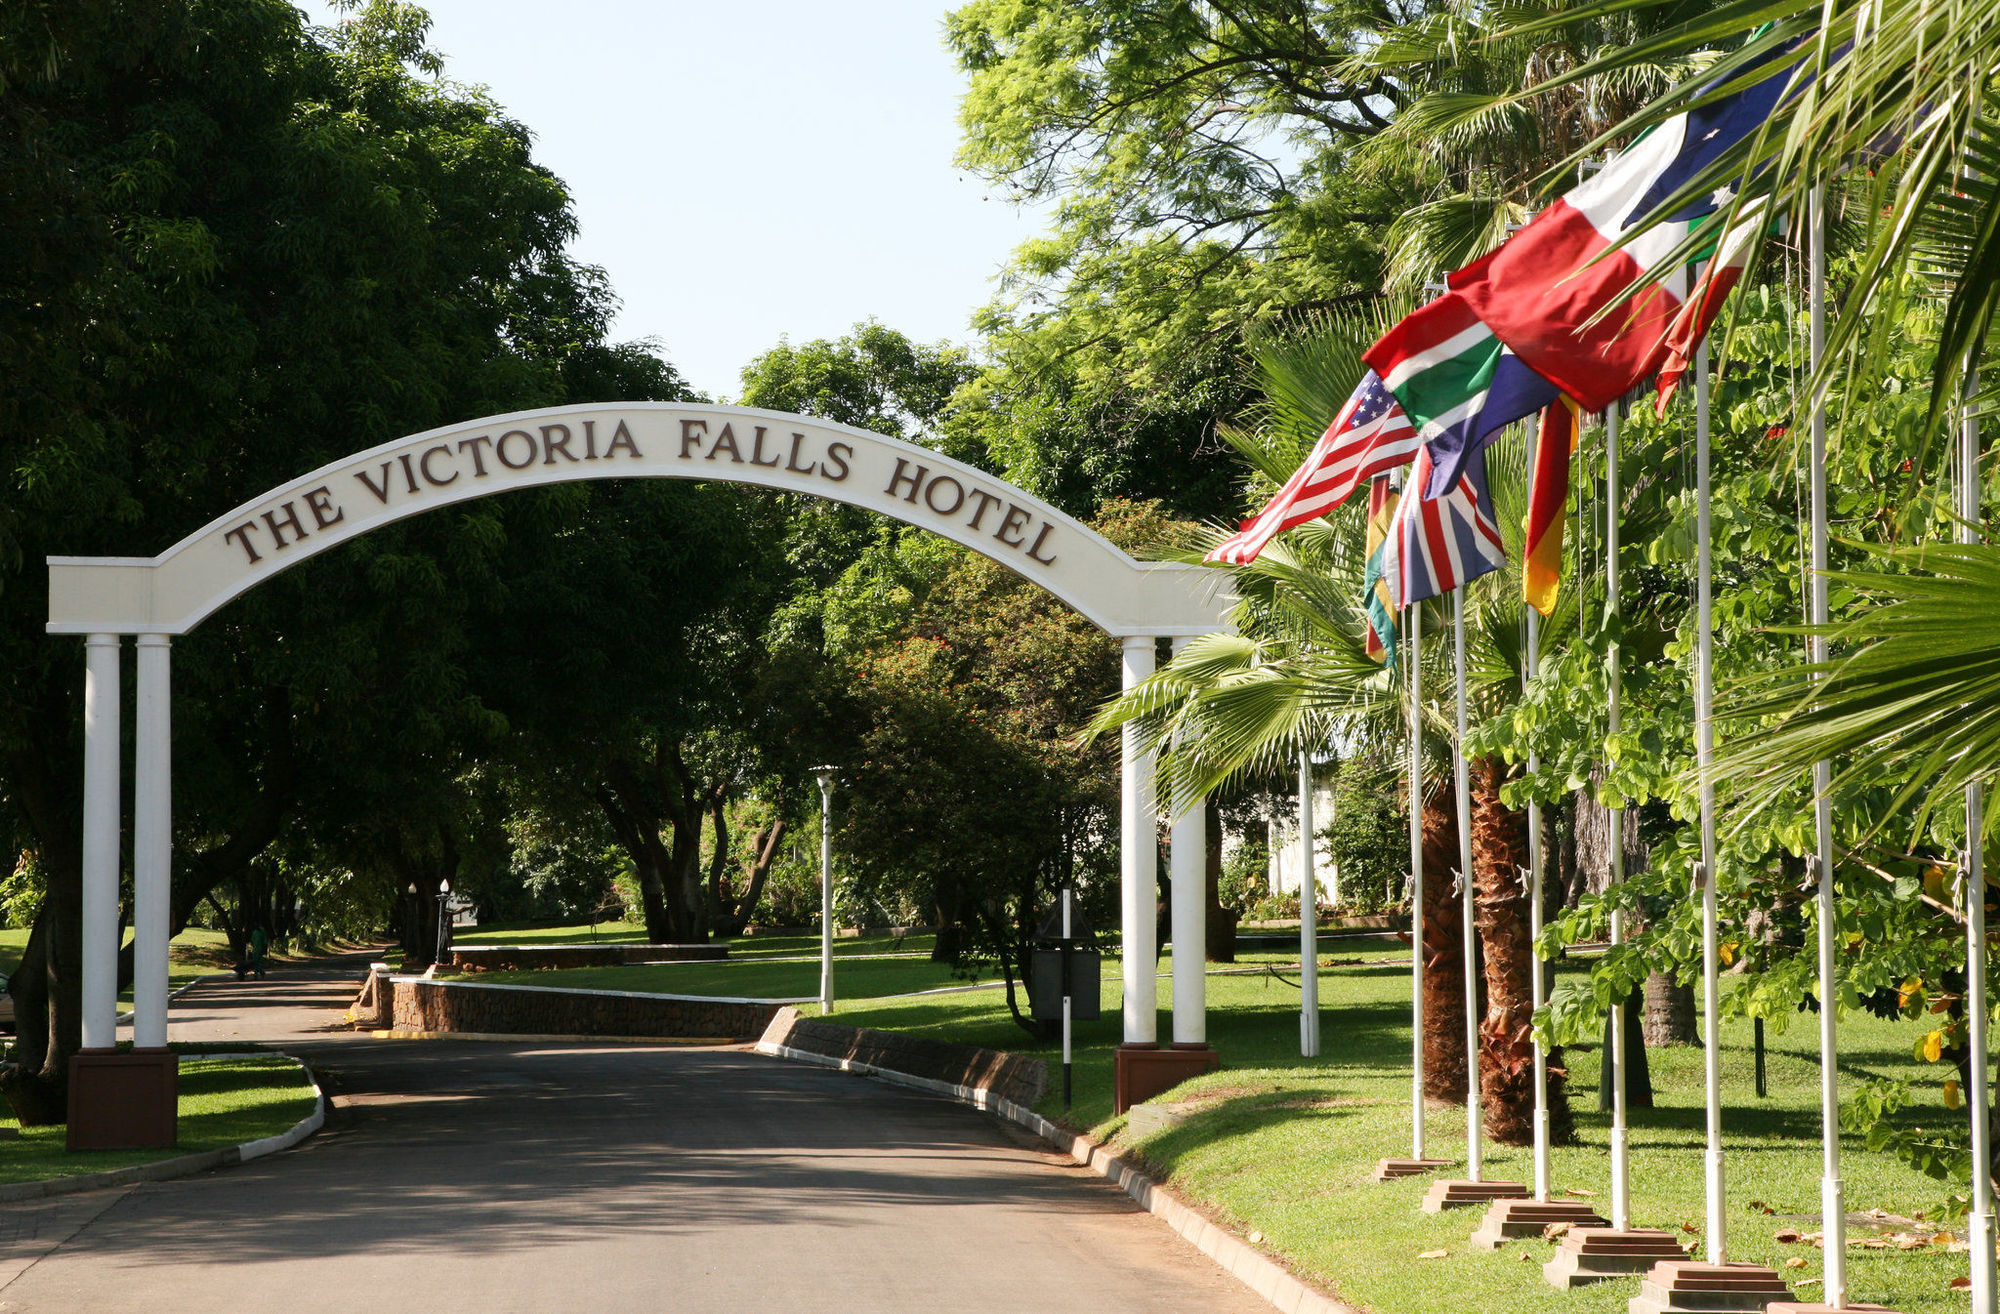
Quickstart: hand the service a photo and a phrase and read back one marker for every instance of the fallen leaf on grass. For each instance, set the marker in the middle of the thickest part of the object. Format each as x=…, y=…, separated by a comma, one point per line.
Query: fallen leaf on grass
x=1556, y=1231
x=1787, y=1236
x=1806, y=1282
x=1868, y=1242
x=1795, y=1262
x=1526, y=1258
x=1690, y=1229
x=1578, y=1190
x=1759, y=1207
x=1432, y=1254
x=1943, y=1239
x=1959, y=1284
x=1255, y=1237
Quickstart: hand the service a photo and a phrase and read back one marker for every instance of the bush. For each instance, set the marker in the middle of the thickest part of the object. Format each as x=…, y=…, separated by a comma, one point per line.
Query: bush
x=1368, y=838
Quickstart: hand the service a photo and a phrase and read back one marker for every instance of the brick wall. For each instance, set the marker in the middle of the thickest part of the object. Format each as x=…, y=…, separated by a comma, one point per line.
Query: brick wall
x=526, y=957
x=1011, y=1076
x=420, y=1005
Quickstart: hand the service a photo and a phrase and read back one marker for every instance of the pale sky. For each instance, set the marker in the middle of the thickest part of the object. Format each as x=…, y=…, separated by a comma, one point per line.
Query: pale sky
x=745, y=172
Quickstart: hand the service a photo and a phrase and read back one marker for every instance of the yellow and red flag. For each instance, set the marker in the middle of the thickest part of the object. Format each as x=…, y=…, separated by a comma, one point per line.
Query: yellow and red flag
x=1548, y=494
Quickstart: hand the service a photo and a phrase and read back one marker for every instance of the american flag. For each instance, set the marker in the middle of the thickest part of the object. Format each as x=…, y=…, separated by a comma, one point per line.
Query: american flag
x=1370, y=436
x=1435, y=546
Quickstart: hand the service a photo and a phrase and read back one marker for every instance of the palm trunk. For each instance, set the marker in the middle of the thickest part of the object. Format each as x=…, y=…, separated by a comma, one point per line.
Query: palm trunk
x=1507, y=1051
x=1444, y=957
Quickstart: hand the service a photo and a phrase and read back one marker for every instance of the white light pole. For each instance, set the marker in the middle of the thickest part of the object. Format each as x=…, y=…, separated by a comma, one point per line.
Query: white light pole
x=444, y=919
x=825, y=775
x=1308, y=918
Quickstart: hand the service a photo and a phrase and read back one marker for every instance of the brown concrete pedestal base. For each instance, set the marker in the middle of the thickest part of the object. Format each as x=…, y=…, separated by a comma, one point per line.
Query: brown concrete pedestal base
x=1508, y=1220
x=1456, y=1193
x=1139, y=1072
x=1388, y=1170
x=1689, y=1287
x=1599, y=1254
x=124, y=1099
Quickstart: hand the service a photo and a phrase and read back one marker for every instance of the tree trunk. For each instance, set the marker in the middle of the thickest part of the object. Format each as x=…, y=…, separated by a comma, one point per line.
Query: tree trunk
x=1506, y=1043
x=764, y=852
x=1444, y=957
x=1221, y=921
x=1669, y=1012
x=47, y=986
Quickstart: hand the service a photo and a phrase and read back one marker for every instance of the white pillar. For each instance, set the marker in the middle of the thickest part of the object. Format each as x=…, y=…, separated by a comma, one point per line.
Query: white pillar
x=1189, y=870
x=1139, y=857
x=1308, y=918
x=102, y=714
x=152, y=843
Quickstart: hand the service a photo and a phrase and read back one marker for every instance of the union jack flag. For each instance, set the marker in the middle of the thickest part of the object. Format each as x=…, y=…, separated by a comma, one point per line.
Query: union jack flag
x=1435, y=546
x=1370, y=436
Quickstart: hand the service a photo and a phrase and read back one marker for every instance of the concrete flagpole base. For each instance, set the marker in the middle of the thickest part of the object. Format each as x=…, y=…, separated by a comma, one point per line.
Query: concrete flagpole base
x=1509, y=1220
x=1457, y=1193
x=124, y=1099
x=1388, y=1170
x=1599, y=1254
x=1690, y=1287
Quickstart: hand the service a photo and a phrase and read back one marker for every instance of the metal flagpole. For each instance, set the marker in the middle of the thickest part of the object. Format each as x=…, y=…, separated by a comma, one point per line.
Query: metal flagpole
x=1833, y=1230
x=1531, y=670
x=1413, y=628
x=1308, y=918
x=1972, y=870
x=1473, y=1132
x=1706, y=873
x=1621, y=1166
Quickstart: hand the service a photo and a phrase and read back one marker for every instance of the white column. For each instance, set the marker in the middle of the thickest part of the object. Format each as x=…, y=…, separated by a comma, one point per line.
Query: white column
x=1139, y=857
x=101, y=810
x=1308, y=918
x=152, y=843
x=1188, y=865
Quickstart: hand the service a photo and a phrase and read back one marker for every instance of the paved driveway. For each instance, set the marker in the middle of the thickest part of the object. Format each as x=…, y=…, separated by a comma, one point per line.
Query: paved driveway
x=560, y=1177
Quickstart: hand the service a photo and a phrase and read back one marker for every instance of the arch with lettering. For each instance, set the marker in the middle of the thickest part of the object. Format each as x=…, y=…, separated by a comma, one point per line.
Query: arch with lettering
x=174, y=591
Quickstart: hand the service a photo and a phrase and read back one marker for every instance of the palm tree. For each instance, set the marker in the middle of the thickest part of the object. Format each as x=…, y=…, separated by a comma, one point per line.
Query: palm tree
x=1296, y=674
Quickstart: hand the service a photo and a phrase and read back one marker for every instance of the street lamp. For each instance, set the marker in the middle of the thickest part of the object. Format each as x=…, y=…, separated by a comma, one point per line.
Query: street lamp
x=444, y=900
x=825, y=775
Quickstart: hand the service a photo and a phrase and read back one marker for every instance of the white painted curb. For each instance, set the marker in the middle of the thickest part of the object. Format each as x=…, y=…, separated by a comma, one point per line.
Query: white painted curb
x=186, y=1164
x=1242, y=1261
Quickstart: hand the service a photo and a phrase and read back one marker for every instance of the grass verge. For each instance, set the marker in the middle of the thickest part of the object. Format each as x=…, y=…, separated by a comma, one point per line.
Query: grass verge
x=223, y=1103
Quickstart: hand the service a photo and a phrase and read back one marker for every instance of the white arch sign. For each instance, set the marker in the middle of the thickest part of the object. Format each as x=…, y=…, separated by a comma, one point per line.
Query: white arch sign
x=120, y=1100
x=175, y=591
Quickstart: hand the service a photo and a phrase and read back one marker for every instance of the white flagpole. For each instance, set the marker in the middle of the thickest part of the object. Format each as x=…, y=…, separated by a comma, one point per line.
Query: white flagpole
x=1474, y=1135
x=1413, y=628
x=1705, y=874
x=1536, y=995
x=1308, y=918
x=1833, y=1221
x=1972, y=870
x=1621, y=1166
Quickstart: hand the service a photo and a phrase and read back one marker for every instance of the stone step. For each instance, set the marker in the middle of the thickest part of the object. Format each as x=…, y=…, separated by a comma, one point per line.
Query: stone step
x=1816, y=1307
x=1508, y=1219
x=1456, y=1193
x=1390, y=1169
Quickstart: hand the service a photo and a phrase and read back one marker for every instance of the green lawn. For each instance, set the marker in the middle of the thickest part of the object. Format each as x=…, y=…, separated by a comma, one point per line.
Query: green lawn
x=194, y=953
x=222, y=1104
x=854, y=978
x=749, y=946
x=1285, y=1146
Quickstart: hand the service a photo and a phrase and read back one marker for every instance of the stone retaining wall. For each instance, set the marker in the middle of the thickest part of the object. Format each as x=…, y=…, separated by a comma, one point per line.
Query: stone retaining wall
x=530, y=957
x=410, y=1003
x=1009, y=1076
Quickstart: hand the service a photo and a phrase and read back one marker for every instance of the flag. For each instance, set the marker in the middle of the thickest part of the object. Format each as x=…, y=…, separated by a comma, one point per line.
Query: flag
x=1535, y=293
x=1438, y=544
x=1458, y=383
x=1541, y=567
x=1371, y=435
x=1711, y=288
x=1376, y=600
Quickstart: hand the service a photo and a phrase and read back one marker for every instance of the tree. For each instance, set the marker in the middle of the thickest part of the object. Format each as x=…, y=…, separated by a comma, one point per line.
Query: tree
x=235, y=248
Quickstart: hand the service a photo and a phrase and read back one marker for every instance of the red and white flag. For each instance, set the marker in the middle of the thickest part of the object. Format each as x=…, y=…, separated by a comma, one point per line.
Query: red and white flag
x=1370, y=436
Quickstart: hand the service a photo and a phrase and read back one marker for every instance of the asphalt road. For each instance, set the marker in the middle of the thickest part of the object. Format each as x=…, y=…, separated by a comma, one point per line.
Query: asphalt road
x=529, y=1177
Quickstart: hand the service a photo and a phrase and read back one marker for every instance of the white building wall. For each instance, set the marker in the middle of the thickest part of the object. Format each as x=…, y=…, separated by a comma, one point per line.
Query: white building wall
x=1288, y=856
